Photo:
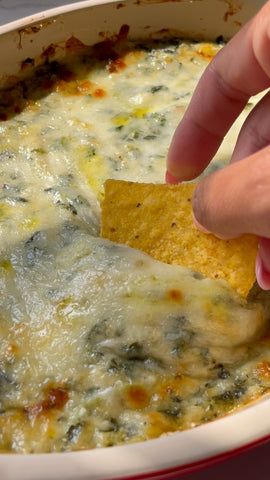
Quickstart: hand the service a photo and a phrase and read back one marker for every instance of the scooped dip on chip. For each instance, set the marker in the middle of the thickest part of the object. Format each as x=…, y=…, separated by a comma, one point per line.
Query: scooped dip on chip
x=157, y=219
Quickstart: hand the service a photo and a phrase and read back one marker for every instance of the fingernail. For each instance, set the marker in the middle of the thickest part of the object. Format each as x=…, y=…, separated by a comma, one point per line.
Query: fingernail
x=262, y=275
x=169, y=178
x=199, y=226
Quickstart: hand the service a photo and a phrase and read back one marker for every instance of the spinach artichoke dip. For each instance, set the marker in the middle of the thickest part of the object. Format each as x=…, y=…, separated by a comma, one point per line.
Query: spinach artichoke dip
x=102, y=345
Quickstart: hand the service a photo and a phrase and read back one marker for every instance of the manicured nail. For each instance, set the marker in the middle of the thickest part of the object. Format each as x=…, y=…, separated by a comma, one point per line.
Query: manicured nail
x=169, y=178
x=262, y=275
x=199, y=226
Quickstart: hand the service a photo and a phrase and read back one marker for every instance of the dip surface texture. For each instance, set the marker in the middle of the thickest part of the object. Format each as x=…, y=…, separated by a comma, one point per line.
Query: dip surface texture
x=100, y=344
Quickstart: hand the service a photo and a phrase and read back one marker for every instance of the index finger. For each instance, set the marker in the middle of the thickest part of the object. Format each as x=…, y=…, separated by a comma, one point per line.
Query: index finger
x=241, y=69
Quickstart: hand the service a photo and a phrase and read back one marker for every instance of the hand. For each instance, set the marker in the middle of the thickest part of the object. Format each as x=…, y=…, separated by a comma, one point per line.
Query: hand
x=236, y=199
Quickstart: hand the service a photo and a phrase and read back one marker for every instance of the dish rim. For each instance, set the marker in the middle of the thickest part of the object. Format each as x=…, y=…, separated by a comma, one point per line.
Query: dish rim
x=123, y=459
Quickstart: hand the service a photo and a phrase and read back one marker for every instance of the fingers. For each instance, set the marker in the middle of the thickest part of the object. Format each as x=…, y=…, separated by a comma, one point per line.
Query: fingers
x=239, y=70
x=255, y=133
x=236, y=199
x=191, y=148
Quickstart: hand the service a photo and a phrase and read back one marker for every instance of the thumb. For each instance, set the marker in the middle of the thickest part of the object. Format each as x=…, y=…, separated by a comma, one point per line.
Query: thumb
x=236, y=199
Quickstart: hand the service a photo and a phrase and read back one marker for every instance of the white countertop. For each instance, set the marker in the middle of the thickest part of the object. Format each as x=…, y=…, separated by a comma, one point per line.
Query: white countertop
x=252, y=465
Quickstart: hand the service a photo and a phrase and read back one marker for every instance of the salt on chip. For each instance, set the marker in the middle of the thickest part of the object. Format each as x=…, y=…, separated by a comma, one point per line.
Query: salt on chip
x=157, y=219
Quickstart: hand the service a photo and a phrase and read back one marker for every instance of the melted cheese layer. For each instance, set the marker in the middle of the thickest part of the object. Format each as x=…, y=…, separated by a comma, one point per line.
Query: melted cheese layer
x=100, y=344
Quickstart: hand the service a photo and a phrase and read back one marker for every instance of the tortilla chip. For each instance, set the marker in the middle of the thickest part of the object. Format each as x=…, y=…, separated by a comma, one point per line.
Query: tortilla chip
x=157, y=219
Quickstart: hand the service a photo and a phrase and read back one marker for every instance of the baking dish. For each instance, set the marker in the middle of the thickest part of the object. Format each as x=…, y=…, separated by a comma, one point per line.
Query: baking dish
x=91, y=22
